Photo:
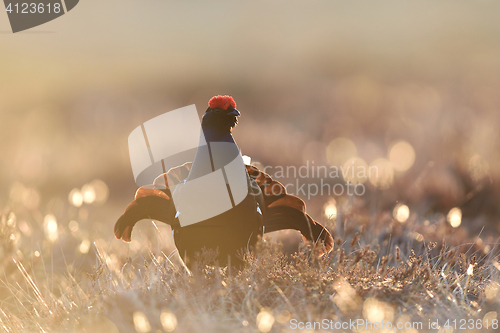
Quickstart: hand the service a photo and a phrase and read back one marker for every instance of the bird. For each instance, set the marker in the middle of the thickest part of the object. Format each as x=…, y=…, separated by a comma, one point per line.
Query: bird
x=266, y=208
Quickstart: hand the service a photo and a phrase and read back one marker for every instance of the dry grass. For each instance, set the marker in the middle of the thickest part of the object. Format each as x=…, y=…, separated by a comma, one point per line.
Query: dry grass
x=380, y=270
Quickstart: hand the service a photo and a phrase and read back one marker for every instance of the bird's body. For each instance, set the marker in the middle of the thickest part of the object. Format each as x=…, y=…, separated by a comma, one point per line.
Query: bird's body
x=242, y=224
x=267, y=207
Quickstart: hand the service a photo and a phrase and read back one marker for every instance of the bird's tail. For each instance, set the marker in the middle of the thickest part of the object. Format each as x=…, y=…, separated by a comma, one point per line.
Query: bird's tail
x=286, y=211
x=152, y=202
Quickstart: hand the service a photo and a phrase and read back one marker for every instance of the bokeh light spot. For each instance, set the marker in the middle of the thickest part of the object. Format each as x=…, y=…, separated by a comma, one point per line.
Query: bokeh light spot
x=330, y=209
x=455, y=217
x=491, y=291
x=401, y=155
x=73, y=226
x=84, y=246
x=377, y=311
x=75, y=197
x=339, y=151
x=401, y=213
x=355, y=170
x=381, y=173
x=101, y=191
x=489, y=318
x=478, y=168
x=50, y=227
x=88, y=193
x=265, y=321
x=141, y=322
x=168, y=321
x=346, y=297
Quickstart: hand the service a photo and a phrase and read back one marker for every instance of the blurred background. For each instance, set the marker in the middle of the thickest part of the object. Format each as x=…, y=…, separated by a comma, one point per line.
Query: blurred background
x=411, y=89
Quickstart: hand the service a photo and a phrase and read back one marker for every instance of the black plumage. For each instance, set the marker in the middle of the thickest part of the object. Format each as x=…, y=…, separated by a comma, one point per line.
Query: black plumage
x=266, y=208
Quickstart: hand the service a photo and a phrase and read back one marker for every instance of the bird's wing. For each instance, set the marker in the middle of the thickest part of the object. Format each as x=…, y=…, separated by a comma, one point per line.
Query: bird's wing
x=282, y=210
x=152, y=202
x=286, y=211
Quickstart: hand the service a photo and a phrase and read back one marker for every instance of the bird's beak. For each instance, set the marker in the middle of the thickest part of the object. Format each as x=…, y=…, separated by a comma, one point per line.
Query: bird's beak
x=234, y=113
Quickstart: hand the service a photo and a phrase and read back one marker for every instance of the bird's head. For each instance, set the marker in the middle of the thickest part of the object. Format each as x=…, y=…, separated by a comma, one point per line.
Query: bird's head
x=221, y=116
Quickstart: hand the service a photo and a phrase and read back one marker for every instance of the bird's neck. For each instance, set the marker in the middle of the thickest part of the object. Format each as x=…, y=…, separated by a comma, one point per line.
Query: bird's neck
x=215, y=150
x=211, y=135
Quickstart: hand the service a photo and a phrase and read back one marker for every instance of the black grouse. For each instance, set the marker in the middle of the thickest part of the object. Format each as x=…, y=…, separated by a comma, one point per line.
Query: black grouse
x=267, y=207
